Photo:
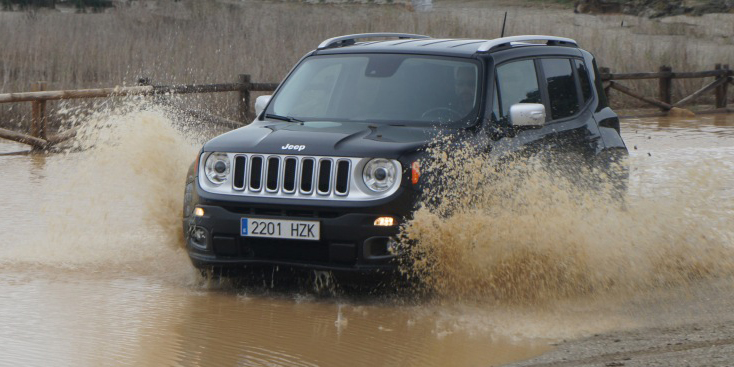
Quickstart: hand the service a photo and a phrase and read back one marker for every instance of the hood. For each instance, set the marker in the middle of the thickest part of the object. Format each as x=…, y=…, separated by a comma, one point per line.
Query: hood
x=324, y=138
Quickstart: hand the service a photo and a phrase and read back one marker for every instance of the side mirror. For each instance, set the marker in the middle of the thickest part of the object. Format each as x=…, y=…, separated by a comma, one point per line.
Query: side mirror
x=260, y=104
x=527, y=114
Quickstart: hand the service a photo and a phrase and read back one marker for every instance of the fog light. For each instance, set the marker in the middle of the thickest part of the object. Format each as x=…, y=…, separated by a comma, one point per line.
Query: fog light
x=199, y=237
x=199, y=212
x=384, y=221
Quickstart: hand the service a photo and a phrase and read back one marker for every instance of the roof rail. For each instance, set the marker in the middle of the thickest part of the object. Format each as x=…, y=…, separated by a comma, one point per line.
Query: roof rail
x=349, y=40
x=499, y=42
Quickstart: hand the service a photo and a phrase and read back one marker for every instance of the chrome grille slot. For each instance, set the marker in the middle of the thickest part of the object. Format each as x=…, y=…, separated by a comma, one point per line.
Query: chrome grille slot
x=271, y=184
x=256, y=170
x=289, y=174
x=324, y=175
x=341, y=186
x=307, y=172
x=238, y=173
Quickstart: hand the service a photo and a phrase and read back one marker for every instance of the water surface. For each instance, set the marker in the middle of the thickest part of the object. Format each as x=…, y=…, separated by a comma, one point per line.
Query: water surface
x=92, y=272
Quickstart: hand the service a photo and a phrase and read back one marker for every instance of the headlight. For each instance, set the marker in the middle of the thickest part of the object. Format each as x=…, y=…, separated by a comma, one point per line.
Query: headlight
x=379, y=174
x=217, y=168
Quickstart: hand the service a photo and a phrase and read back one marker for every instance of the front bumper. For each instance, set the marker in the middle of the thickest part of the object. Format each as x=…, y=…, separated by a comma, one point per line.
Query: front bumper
x=349, y=240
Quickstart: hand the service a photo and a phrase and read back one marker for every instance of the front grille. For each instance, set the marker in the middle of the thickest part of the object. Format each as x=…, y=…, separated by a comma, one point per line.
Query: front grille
x=281, y=175
x=287, y=176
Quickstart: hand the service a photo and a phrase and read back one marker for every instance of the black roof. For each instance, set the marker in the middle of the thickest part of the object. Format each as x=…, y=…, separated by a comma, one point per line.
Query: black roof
x=434, y=46
x=453, y=47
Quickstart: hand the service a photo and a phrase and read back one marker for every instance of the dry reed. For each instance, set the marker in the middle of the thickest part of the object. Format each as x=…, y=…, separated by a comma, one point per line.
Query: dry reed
x=213, y=41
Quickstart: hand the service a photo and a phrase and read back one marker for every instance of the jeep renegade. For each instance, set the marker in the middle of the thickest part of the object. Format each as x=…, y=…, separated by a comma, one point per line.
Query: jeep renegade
x=329, y=169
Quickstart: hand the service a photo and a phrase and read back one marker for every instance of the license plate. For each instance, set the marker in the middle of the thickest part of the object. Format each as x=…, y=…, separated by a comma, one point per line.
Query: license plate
x=276, y=228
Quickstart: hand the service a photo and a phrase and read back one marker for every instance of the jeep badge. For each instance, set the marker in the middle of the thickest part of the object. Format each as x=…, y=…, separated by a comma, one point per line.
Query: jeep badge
x=293, y=147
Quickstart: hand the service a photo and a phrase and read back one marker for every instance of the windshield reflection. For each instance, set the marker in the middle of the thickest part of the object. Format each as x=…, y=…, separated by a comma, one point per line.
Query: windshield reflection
x=388, y=88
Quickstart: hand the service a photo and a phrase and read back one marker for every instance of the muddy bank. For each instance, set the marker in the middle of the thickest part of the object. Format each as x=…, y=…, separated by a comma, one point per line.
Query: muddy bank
x=655, y=8
x=689, y=326
x=710, y=344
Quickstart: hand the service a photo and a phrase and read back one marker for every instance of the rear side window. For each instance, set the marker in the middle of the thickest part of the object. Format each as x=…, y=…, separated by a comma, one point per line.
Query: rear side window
x=583, y=79
x=518, y=83
x=564, y=100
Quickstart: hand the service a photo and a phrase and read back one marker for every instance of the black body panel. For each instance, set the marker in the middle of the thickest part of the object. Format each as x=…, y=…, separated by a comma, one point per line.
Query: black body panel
x=323, y=139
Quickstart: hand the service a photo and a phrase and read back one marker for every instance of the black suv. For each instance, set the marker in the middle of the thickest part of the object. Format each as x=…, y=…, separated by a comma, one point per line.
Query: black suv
x=329, y=169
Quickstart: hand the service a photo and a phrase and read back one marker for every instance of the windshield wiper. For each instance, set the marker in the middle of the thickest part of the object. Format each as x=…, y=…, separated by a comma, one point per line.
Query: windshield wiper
x=282, y=118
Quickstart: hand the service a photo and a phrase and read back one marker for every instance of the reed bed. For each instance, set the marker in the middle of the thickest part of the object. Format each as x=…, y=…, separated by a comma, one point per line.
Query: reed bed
x=214, y=41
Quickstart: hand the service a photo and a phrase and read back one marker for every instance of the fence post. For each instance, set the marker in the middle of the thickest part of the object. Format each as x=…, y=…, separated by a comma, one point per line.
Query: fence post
x=38, y=113
x=605, y=70
x=725, y=86
x=665, y=85
x=721, y=90
x=244, y=101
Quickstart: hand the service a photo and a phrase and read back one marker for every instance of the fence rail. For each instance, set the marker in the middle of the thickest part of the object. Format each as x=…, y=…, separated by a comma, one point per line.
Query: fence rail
x=722, y=78
x=39, y=139
x=42, y=95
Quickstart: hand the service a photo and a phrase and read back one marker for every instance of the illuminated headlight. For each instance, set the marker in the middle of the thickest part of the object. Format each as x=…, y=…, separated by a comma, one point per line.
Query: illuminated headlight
x=217, y=168
x=379, y=174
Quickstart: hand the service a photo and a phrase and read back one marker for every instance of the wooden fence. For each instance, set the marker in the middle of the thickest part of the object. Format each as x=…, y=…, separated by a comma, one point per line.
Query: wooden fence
x=722, y=78
x=39, y=138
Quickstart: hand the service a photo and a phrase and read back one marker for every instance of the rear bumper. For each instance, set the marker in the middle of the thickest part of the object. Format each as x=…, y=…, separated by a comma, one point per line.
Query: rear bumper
x=349, y=240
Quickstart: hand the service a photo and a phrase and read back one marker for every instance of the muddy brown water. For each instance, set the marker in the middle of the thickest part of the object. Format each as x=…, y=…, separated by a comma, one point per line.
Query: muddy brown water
x=91, y=270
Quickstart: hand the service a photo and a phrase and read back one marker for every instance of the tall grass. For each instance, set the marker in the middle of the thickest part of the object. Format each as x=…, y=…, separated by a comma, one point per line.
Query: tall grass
x=213, y=41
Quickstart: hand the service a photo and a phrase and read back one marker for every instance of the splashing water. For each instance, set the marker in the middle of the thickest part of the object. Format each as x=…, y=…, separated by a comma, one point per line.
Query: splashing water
x=113, y=199
x=523, y=233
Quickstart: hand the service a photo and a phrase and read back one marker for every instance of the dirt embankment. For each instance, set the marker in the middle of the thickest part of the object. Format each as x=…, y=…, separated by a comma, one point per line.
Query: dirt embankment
x=655, y=8
x=677, y=327
x=689, y=345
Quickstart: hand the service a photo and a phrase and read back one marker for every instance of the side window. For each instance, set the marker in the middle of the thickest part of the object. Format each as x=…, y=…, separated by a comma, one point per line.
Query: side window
x=583, y=79
x=518, y=83
x=564, y=100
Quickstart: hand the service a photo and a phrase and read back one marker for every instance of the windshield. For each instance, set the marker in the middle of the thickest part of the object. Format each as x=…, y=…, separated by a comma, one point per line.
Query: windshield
x=387, y=88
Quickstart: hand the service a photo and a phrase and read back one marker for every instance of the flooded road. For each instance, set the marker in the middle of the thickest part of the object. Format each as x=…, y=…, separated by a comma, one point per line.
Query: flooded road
x=92, y=273
x=125, y=319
